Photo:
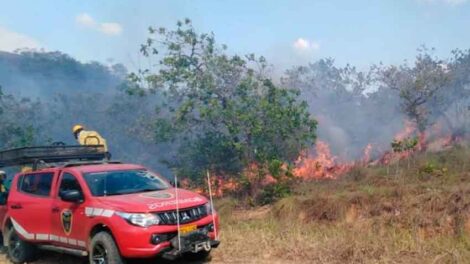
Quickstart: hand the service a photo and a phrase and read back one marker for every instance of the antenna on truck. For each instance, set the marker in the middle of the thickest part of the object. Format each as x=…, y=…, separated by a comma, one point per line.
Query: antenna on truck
x=212, y=204
x=177, y=212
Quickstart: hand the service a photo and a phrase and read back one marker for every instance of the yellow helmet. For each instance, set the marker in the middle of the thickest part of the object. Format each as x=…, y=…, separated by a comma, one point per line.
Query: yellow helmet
x=77, y=128
x=26, y=169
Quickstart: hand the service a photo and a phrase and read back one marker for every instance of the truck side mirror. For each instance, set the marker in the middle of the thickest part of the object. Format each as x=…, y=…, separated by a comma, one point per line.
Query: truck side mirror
x=73, y=196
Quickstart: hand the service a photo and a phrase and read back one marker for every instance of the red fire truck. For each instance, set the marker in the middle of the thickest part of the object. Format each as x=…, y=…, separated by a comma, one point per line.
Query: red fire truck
x=74, y=200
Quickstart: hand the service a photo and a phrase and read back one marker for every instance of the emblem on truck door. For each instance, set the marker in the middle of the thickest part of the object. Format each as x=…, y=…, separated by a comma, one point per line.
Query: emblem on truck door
x=66, y=218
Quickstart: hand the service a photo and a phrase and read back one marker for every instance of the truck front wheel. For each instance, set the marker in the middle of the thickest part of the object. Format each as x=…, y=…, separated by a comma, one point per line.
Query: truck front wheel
x=19, y=251
x=103, y=250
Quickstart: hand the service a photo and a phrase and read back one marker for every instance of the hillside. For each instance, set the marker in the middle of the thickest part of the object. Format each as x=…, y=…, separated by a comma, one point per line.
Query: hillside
x=415, y=214
x=43, y=94
x=45, y=74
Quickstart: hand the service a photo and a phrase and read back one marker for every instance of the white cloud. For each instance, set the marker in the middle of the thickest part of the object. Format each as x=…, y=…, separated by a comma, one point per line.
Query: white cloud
x=11, y=41
x=301, y=44
x=108, y=28
x=85, y=19
x=304, y=45
x=111, y=28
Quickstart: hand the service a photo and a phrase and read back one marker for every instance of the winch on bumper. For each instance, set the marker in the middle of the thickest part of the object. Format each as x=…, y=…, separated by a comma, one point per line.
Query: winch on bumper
x=193, y=242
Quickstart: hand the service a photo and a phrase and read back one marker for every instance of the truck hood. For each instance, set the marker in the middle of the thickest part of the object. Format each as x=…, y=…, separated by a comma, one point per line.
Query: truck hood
x=164, y=200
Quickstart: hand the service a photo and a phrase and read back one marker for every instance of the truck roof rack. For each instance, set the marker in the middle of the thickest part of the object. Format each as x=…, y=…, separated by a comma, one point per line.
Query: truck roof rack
x=82, y=163
x=51, y=154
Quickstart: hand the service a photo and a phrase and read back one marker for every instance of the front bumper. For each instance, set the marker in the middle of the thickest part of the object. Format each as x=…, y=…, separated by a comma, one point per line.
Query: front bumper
x=189, y=245
x=136, y=242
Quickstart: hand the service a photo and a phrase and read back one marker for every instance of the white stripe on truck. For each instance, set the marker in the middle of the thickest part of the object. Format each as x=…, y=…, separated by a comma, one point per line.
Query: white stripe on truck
x=46, y=237
x=91, y=212
x=21, y=230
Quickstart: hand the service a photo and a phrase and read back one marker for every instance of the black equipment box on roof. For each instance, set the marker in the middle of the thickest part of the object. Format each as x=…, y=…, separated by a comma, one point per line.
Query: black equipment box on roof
x=50, y=154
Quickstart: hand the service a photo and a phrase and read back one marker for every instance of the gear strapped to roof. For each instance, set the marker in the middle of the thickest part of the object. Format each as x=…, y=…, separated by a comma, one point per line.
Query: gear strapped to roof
x=51, y=154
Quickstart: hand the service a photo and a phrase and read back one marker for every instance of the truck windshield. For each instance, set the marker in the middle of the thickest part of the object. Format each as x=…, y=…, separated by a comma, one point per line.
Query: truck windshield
x=123, y=182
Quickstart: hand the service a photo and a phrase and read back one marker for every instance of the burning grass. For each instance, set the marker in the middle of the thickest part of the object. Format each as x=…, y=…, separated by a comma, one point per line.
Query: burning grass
x=417, y=212
x=319, y=164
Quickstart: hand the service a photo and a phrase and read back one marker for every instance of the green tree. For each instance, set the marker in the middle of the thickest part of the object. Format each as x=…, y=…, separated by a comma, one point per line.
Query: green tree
x=455, y=98
x=419, y=88
x=17, y=129
x=407, y=145
x=222, y=111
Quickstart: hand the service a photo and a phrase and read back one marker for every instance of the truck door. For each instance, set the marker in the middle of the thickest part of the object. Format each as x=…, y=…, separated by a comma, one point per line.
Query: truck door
x=30, y=207
x=68, y=218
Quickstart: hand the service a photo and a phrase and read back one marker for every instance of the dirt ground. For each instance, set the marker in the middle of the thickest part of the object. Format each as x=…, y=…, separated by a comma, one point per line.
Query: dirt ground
x=217, y=257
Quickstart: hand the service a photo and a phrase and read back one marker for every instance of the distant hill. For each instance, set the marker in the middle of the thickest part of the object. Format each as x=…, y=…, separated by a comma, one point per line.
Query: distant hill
x=44, y=74
x=46, y=93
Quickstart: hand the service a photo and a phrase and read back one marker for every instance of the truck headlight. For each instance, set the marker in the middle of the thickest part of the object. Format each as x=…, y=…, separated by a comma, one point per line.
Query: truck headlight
x=209, y=208
x=143, y=220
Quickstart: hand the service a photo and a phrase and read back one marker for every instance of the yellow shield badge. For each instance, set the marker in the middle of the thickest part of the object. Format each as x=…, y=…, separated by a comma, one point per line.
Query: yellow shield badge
x=66, y=218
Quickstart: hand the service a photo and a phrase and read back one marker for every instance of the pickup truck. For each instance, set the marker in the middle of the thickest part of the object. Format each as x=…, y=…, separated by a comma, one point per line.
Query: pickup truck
x=108, y=212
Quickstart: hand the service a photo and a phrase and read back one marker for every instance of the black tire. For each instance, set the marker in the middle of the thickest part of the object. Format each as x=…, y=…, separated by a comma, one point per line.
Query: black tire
x=3, y=249
x=103, y=250
x=19, y=251
x=200, y=256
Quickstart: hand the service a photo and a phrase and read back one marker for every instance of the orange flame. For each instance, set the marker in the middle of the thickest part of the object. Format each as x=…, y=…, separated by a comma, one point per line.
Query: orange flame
x=220, y=186
x=323, y=165
x=407, y=131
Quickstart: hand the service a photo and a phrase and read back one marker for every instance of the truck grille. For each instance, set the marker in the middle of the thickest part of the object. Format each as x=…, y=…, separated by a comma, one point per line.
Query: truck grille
x=186, y=215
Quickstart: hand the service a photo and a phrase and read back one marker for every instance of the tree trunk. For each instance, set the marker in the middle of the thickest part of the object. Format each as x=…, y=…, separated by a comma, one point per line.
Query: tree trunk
x=422, y=144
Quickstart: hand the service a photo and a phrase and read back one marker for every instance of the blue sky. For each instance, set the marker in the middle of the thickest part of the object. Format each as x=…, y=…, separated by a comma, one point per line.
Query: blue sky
x=286, y=32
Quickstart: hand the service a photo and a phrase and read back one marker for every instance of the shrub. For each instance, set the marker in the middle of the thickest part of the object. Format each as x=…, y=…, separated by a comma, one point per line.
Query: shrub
x=273, y=192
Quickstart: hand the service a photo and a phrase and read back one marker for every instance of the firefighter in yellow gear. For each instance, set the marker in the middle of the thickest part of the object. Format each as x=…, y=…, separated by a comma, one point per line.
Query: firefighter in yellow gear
x=88, y=137
x=3, y=188
x=3, y=179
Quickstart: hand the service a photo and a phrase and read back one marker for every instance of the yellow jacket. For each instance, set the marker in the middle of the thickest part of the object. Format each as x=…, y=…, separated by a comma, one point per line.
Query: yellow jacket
x=91, y=138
